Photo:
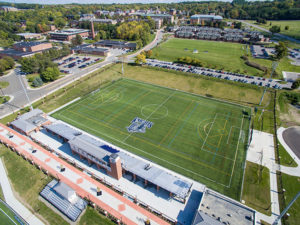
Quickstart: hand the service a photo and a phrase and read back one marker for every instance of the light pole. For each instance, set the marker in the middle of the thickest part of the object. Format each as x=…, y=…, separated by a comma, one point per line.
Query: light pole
x=274, y=65
x=25, y=92
x=286, y=209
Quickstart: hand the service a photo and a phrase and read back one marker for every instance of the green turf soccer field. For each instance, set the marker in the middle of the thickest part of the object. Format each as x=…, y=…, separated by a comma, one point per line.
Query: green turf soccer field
x=8, y=217
x=201, y=138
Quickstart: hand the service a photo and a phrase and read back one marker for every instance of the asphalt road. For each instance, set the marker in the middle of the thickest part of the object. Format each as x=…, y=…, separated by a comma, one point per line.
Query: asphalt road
x=292, y=137
x=18, y=82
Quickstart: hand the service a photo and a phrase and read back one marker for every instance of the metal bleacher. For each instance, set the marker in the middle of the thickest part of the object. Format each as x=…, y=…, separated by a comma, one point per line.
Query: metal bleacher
x=72, y=211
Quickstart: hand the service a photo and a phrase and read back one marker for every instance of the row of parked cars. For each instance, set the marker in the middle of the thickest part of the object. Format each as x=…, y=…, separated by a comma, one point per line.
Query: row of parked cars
x=216, y=73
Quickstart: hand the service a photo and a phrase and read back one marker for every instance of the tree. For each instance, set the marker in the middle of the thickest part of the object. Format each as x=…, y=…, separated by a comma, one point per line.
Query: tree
x=148, y=53
x=50, y=74
x=77, y=40
x=275, y=29
x=140, y=58
x=280, y=50
x=238, y=25
x=296, y=84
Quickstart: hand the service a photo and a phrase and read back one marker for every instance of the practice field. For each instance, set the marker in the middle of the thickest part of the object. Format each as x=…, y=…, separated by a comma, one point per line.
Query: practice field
x=8, y=217
x=215, y=54
x=198, y=137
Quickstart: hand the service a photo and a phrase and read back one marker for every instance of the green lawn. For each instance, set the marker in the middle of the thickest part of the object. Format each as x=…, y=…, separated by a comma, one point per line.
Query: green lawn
x=256, y=192
x=198, y=137
x=8, y=217
x=293, y=31
x=92, y=217
x=292, y=186
x=215, y=54
x=4, y=99
x=285, y=158
x=4, y=84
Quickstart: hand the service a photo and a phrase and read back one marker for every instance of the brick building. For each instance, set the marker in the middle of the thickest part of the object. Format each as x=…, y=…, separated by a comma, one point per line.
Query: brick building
x=68, y=34
x=25, y=49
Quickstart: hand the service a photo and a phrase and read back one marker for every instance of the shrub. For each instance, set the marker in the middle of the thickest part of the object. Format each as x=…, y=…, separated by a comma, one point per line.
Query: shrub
x=37, y=82
x=257, y=66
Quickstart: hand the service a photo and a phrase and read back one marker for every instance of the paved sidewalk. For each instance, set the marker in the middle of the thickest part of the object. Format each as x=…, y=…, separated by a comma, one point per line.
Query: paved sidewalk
x=85, y=186
x=261, y=151
x=13, y=202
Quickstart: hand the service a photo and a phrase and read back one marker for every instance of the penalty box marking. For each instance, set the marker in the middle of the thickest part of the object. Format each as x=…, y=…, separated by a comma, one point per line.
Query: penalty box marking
x=196, y=174
x=162, y=148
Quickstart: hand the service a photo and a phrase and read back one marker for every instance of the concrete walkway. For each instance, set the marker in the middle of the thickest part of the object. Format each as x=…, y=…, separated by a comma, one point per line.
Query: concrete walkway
x=261, y=151
x=86, y=187
x=13, y=202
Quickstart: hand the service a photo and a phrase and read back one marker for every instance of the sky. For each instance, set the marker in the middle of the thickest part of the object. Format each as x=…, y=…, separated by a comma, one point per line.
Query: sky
x=97, y=1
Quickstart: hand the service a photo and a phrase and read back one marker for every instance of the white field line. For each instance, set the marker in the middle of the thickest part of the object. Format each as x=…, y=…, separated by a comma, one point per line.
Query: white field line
x=118, y=141
x=170, y=96
x=8, y=216
x=230, y=131
x=203, y=96
x=209, y=131
x=237, y=146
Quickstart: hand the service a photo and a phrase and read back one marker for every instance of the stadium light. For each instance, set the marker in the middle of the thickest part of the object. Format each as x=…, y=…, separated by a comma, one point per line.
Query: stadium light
x=274, y=66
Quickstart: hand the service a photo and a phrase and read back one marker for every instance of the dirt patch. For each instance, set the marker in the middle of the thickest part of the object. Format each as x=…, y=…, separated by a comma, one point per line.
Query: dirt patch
x=291, y=118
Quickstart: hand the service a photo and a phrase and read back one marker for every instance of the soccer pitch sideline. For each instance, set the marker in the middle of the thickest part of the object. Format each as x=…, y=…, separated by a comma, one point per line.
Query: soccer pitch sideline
x=198, y=137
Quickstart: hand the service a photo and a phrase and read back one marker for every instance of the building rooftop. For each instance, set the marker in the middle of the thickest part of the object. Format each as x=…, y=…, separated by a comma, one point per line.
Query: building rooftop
x=196, y=16
x=225, y=210
x=25, y=44
x=103, y=152
x=30, y=120
x=12, y=52
x=155, y=175
x=27, y=34
x=114, y=43
x=64, y=198
x=63, y=130
x=70, y=31
x=152, y=14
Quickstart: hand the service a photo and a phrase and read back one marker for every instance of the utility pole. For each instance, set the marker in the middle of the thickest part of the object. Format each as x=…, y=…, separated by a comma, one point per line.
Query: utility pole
x=274, y=66
x=20, y=79
x=286, y=209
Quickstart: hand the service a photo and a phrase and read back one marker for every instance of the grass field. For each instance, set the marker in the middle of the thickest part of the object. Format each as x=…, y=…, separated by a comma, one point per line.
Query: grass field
x=219, y=55
x=256, y=191
x=198, y=137
x=293, y=31
x=292, y=186
x=215, y=54
x=8, y=217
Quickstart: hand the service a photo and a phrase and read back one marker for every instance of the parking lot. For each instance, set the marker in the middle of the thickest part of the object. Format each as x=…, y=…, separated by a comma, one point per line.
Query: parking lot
x=74, y=63
x=259, y=81
x=294, y=55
